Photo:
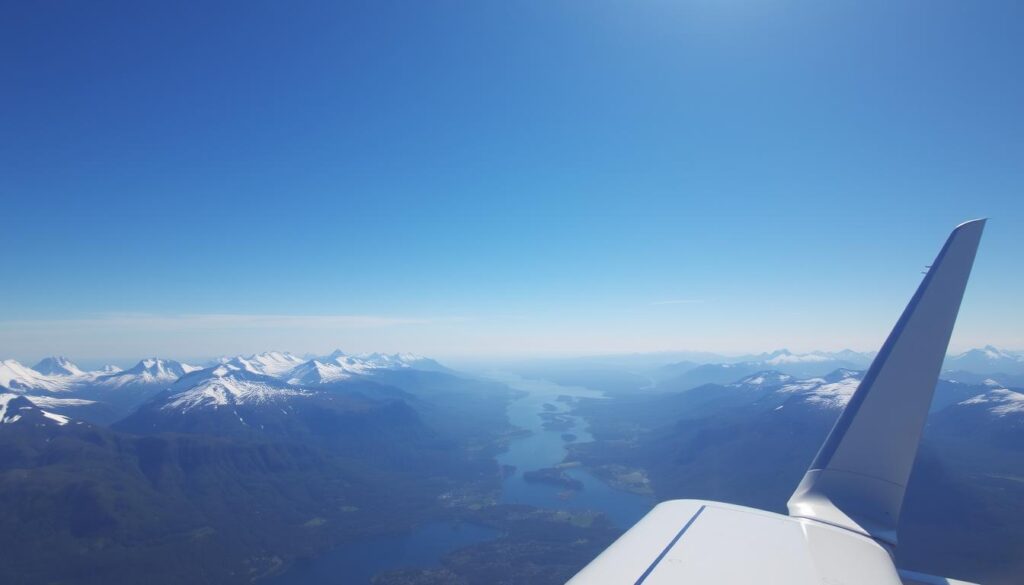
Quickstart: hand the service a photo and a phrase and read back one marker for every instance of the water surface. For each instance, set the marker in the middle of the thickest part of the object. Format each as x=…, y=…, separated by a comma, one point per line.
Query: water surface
x=546, y=448
x=356, y=563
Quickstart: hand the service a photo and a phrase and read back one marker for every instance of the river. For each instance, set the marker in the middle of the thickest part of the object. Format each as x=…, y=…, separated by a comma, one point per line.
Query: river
x=356, y=563
x=546, y=448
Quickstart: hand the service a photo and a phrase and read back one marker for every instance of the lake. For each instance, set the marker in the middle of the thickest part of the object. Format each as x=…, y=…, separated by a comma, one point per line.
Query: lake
x=546, y=448
x=357, y=562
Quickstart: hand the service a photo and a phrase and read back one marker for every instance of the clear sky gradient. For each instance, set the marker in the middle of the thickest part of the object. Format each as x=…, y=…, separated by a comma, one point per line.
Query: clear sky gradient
x=489, y=178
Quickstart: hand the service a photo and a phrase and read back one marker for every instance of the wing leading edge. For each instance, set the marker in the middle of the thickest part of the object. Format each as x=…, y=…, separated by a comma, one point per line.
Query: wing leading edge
x=858, y=479
x=843, y=515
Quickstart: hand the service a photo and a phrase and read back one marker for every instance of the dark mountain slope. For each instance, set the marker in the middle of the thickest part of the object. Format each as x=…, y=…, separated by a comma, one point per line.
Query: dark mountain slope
x=86, y=505
x=750, y=444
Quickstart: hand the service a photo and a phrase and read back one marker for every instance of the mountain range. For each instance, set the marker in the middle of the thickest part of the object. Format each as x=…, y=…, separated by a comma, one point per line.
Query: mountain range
x=109, y=394
x=973, y=366
x=113, y=472
x=750, y=441
x=987, y=360
x=105, y=395
x=236, y=466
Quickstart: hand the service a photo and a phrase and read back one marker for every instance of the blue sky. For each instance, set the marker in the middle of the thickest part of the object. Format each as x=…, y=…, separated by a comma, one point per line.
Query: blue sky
x=469, y=178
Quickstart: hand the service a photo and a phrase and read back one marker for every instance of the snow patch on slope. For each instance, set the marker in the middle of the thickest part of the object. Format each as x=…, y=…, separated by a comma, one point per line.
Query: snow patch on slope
x=8, y=413
x=1000, y=402
x=270, y=363
x=228, y=384
x=5, y=399
x=769, y=378
x=60, y=419
x=51, y=402
x=824, y=393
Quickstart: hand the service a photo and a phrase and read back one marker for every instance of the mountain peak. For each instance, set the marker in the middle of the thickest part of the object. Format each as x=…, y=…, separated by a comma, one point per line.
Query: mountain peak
x=151, y=370
x=18, y=378
x=271, y=363
x=987, y=360
x=57, y=366
x=991, y=352
x=319, y=372
x=160, y=366
x=226, y=384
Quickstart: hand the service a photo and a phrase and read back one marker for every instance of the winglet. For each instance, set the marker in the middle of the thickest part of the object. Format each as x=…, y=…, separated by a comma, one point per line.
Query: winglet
x=859, y=476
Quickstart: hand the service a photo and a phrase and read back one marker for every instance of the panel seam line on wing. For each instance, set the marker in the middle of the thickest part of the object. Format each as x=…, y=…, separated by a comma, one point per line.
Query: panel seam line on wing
x=671, y=544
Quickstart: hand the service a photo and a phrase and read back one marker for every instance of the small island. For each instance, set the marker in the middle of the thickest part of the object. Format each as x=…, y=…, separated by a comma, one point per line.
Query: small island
x=553, y=476
x=557, y=421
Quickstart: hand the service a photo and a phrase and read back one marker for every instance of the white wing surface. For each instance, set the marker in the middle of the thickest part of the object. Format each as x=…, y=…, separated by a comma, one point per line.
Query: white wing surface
x=858, y=479
x=843, y=515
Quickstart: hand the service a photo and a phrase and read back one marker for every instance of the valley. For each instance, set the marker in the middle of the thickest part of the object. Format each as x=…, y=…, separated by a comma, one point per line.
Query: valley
x=397, y=470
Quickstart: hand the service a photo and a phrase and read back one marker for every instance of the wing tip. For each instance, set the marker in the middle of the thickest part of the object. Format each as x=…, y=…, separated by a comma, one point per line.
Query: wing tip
x=975, y=223
x=861, y=494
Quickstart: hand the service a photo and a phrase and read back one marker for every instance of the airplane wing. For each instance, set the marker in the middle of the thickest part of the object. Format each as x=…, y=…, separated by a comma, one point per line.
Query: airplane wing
x=841, y=528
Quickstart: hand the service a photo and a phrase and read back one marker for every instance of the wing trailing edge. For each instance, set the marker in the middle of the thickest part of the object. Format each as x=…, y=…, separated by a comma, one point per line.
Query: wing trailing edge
x=858, y=479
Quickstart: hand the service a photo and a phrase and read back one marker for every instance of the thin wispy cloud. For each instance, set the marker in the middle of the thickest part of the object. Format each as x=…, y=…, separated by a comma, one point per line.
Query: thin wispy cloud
x=192, y=322
x=679, y=302
x=194, y=334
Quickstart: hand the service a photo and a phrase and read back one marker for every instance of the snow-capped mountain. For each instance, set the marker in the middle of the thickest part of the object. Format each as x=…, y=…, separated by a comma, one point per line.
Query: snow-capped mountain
x=228, y=400
x=58, y=374
x=970, y=367
x=988, y=426
x=987, y=360
x=785, y=356
x=797, y=365
x=58, y=366
x=257, y=394
x=371, y=361
x=108, y=395
x=316, y=372
x=16, y=408
x=333, y=367
x=832, y=391
x=336, y=366
x=226, y=385
x=54, y=392
x=18, y=378
x=399, y=361
x=51, y=374
x=339, y=366
x=147, y=372
x=998, y=402
x=270, y=363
